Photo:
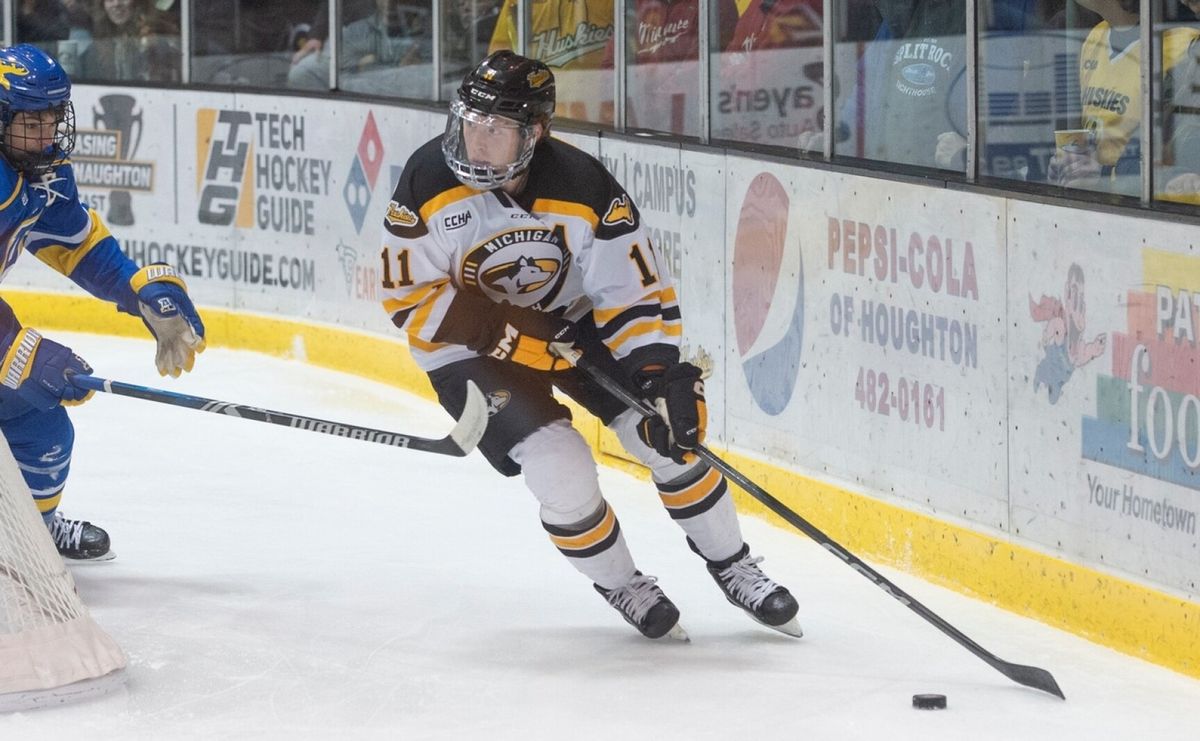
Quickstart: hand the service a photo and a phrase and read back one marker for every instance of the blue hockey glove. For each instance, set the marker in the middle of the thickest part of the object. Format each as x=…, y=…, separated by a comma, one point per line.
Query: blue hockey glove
x=39, y=371
x=170, y=316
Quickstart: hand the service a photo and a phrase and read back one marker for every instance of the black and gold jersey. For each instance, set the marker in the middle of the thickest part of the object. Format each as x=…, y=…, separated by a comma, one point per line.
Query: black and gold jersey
x=571, y=243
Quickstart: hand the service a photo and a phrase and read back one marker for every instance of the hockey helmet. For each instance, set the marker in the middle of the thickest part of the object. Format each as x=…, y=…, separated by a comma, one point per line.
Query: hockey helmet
x=31, y=81
x=493, y=126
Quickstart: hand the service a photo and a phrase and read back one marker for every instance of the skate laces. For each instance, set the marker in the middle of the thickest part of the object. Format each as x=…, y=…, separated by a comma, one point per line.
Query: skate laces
x=747, y=582
x=66, y=533
x=635, y=598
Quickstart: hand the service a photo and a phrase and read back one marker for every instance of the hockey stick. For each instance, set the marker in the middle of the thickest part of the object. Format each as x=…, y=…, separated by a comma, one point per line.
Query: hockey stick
x=1030, y=676
x=460, y=441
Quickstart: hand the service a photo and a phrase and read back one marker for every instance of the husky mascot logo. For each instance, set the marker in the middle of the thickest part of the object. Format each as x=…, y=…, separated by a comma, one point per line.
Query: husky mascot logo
x=522, y=276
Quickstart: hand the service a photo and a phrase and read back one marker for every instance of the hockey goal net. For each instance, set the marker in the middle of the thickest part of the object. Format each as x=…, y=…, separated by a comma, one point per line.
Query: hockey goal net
x=51, y=651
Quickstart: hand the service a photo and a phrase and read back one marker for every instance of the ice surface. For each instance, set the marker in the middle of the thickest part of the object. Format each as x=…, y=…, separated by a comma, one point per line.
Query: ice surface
x=273, y=583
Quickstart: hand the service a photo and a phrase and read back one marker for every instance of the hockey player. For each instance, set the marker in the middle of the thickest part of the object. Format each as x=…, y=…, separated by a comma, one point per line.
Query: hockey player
x=501, y=246
x=40, y=210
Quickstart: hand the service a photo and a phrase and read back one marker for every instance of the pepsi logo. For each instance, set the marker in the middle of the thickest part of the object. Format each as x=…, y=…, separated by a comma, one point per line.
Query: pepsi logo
x=768, y=295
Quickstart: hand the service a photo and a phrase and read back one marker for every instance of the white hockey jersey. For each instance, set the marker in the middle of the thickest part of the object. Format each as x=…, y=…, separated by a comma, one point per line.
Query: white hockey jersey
x=572, y=243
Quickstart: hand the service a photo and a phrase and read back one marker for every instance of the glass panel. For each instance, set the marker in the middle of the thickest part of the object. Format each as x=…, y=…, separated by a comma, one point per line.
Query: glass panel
x=387, y=48
x=574, y=38
x=900, y=82
x=467, y=28
x=662, y=52
x=1177, y=125
x=251, y=42
x=109, y=40
x=1028, y=83
x=767, y=72
x=1099, y=148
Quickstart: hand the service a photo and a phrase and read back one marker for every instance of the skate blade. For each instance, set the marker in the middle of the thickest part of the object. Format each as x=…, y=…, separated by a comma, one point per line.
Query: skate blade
x=98, y=559
x=677, y=633
x=790, y=628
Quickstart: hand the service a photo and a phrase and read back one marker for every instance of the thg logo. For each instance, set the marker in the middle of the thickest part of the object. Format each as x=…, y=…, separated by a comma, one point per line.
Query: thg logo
x=225, y=138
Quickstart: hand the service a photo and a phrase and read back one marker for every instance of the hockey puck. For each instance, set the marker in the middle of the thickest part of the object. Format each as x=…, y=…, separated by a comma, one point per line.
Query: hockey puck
x=929, y=702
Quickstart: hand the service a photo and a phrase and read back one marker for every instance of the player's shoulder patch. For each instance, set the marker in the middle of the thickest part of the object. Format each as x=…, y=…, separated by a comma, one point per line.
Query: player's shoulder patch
x=425, y=176
x=401, y=220
x=576, y=176
x=619, y=212
x=400, y=215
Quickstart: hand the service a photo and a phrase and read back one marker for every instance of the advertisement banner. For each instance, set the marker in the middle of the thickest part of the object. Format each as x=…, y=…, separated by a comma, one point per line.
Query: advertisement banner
x=1105, y=392
x=868, y=327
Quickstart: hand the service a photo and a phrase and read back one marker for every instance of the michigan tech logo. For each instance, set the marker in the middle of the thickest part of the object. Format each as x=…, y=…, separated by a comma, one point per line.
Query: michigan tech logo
x=619, y=212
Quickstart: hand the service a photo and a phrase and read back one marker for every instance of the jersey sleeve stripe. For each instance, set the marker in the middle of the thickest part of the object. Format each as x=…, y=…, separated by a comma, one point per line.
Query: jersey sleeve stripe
x=75, y=238
x=65, y=258
x=566, y=208
x=641, y=329
x=16, y=191
x=421, y=318
x=444, y=199
x=642, y=311
x=665, y=297
x=392, y=305
x=420, y=344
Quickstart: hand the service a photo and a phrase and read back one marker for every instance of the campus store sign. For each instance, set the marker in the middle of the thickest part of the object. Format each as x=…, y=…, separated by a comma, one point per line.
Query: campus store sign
x=680, y=197
x=1105, y=390
x=898, y=384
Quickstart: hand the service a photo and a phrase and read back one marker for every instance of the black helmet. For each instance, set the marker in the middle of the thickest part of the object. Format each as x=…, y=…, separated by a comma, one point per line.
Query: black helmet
x=510, y=85
x=503, y=109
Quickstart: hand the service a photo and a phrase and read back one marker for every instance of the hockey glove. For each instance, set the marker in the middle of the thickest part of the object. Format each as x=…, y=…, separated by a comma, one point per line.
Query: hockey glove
x=170, y=316
x=677, y=392
x=507, y=332
x=39, y=371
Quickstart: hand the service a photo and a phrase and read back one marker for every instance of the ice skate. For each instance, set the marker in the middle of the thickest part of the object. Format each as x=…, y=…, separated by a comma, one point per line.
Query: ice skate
x=79, y=540
x=746, y=586
x=645, y=607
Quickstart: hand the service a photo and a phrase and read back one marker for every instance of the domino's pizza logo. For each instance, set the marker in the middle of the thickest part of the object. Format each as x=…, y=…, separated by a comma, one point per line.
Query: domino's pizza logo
x=364, y=173
x=768, y=295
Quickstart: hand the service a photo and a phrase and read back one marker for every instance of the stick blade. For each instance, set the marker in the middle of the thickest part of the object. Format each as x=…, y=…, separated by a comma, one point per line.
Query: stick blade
x=1032, y=676
x=472, y=422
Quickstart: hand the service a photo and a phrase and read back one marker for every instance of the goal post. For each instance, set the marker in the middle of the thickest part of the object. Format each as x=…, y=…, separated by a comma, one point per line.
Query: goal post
x=51, y=651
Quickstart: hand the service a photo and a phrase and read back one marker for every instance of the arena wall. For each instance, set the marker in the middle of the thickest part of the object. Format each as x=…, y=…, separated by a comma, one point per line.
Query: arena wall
x=1001, y=396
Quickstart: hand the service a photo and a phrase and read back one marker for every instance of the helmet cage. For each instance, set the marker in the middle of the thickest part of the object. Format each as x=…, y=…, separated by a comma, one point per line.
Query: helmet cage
x=24, y=153
x=473, y=172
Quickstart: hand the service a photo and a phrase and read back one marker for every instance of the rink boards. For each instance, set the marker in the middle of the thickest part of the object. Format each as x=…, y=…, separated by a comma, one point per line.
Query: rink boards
x=1003, y=396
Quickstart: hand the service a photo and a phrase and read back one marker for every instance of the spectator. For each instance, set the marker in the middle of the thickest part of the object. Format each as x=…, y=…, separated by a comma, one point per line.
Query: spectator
x=42, y=20
x=565, y=34
x=1110, y=92
x=1181, y=178
x=133, y=40
x=377, y=34
x=909, y=103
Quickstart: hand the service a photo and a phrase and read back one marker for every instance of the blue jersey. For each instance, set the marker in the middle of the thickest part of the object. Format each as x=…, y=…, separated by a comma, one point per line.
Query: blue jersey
x=46, y=217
